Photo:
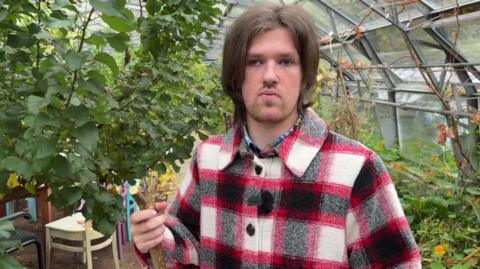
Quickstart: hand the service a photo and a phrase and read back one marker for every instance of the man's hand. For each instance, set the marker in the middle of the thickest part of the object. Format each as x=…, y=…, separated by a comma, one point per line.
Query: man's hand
x=148, y=227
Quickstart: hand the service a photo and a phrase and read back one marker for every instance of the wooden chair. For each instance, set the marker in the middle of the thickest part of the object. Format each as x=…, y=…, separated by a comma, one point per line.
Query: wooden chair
x=74, y=228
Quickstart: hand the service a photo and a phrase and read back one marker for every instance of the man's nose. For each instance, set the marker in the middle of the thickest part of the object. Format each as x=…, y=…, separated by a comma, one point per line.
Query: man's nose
x=270, y=78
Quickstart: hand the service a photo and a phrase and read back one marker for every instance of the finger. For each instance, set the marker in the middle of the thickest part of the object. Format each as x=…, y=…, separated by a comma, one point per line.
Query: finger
x=161, y=206
x=140, y=239
x=142, y=215
x=144, y=247
x=148, y=225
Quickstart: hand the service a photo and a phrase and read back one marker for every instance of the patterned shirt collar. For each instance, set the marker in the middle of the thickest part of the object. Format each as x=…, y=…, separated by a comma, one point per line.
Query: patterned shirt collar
x=269, y=150
x=296, y=151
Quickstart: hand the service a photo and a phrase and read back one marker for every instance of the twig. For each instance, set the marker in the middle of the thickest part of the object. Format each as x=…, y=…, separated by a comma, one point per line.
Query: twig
x=82, y=39
x=472, y=254
x=148, y=202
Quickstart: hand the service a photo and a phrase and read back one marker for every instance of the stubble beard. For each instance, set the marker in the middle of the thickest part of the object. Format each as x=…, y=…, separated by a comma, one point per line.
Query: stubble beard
x=265, y=117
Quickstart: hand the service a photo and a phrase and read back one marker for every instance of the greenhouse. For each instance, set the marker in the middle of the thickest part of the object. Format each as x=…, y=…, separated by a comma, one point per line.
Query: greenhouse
x=104, y=103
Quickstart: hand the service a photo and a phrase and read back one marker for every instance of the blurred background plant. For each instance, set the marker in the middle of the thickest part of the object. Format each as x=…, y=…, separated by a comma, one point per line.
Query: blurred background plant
x=92, y=95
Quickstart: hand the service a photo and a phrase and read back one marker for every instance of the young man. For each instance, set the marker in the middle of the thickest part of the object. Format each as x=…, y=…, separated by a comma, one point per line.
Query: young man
x=279, y=190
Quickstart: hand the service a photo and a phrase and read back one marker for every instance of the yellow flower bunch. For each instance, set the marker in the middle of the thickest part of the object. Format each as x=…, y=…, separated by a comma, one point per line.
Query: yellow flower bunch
x=440, y=249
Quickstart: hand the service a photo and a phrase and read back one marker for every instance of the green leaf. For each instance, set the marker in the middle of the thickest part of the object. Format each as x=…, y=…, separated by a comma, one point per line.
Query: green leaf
x=108, y=61
x=62, y=167
x=35, y=103
x=20, y=40
x=94, y=74
x=153, y=6
x=10, y=163
x=10, y=244
x=20, y=57
x=61, y=3
x=461, y=266
x=119, y=24
x=91, y=86
x=105, y=227
x=87, y=134
x=436, y=265
x=72, y=195
x=119, y=41
x=96, y=39
x=47, y=148
x=6, y=229
x=106, y=7
x=473, y=190
x=9, y=262
x=74, y=60
x=3, y=14
x=78, y=114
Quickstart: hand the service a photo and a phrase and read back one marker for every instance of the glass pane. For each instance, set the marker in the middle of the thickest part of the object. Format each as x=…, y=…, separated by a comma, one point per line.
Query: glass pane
x=441, y=4
x=405, y=10
x=358, y=12
x=408, y=74
x=417, y=129
x=468, y=36
x=362, y=63
x=431, y=55
x=385, y=115
x=321, y=18
x=390, y=46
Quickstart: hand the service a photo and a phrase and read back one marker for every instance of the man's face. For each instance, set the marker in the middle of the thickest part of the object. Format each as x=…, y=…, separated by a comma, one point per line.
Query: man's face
x=273, y=78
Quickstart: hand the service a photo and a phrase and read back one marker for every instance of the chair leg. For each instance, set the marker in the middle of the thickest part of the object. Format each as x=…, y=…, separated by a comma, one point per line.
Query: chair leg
x=118, y=231
x=39, y=254
x=48, y=247
x=114, y=250
x=88, y=250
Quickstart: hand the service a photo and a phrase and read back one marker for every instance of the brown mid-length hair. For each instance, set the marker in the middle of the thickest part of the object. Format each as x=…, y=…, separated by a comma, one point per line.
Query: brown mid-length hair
x=259, y=19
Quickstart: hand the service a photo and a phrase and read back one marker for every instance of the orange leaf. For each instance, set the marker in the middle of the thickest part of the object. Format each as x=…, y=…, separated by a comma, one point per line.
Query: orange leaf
x=398, y=167
x=476, y=117
x=450, y=133
x=358, y=31
x=345, y=64
x=442, y=134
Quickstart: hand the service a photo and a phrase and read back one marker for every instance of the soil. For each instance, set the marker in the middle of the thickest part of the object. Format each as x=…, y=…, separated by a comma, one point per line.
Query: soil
x=102, y=258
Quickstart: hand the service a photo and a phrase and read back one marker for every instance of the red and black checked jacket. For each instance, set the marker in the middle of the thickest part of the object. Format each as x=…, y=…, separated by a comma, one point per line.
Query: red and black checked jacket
x=333, y=206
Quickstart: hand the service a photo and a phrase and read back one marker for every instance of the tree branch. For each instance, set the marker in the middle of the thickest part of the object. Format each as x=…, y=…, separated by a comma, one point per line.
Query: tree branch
x=80, y=46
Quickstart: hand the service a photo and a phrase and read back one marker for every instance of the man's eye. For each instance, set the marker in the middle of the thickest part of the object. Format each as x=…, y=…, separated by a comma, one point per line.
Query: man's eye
x=286, y=62
x=254, y=62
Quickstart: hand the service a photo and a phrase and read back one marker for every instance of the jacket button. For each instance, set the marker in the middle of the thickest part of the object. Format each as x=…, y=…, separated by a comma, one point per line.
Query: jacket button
x=258, y=169
x=250, y=229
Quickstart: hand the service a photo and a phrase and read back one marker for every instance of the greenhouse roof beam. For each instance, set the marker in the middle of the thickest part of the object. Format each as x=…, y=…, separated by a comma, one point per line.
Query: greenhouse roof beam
x=335, y=64
x=394, y=22
x=333, y=9
x=373, y=55
x=470, y=89
x=452, y=52
x=405, y=106
x=419, y=59
x=350, y=55
x=414, y=66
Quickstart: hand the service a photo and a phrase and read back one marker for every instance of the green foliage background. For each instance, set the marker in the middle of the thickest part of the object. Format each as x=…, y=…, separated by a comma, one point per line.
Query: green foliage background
x=83, y=106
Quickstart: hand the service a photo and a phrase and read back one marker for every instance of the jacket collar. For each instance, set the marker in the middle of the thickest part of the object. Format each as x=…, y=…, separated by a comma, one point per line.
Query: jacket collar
x=296, y=151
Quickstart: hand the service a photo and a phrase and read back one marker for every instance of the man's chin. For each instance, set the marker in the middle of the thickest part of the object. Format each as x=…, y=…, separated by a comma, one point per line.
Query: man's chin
x=268, y=117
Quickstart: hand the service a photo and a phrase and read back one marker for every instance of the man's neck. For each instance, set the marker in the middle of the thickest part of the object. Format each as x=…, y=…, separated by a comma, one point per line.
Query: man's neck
x=263, y=133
